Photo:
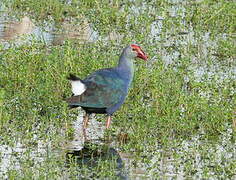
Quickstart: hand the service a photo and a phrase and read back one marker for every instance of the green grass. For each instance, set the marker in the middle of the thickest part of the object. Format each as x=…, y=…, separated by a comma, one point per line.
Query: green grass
x=162, y=108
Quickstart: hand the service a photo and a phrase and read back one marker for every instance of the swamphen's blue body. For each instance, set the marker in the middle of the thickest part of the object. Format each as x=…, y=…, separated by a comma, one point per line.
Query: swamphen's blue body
x=105, y=90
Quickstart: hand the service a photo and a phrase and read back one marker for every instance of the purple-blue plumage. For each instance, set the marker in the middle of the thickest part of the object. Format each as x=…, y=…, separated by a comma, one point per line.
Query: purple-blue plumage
x=105, y=90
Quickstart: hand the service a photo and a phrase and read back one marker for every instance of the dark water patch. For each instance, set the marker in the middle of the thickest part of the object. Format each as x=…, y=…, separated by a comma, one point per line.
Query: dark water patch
x=91, y=155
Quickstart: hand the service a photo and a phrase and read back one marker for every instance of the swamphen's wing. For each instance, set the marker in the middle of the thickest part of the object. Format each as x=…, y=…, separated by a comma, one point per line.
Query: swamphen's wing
x=104, y=89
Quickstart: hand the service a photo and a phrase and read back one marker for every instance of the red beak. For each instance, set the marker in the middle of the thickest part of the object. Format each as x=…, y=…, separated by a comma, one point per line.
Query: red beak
x=141, y=54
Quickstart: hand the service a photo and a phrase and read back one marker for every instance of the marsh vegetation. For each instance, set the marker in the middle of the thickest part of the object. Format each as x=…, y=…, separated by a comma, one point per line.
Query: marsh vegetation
x=179, y=118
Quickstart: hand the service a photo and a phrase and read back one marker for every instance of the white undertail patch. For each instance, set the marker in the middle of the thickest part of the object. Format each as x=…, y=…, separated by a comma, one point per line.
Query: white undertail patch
x=78, y=87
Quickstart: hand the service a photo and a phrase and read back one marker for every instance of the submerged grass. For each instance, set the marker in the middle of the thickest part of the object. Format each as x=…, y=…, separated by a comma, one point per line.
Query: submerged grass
x=162, y=107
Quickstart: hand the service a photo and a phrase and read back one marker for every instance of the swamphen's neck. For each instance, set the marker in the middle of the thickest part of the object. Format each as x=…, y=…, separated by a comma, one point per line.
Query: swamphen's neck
x=126, y=67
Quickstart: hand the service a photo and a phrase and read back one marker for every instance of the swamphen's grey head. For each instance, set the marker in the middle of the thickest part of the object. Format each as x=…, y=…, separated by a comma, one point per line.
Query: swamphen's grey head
x=133, y=51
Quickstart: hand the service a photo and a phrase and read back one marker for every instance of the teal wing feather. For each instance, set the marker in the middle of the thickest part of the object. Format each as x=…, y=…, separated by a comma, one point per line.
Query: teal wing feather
x=104, y=89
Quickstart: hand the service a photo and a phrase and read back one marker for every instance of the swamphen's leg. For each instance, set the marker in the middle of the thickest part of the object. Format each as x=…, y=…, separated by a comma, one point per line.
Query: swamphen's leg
x=108, y=122
x=85, y=124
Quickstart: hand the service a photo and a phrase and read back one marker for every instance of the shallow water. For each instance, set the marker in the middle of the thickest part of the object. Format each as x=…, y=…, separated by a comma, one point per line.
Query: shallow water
x=24, y=30
x=166, y=163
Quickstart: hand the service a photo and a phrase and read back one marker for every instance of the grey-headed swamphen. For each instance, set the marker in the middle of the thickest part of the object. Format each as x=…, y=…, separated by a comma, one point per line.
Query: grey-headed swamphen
x=105, y=90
